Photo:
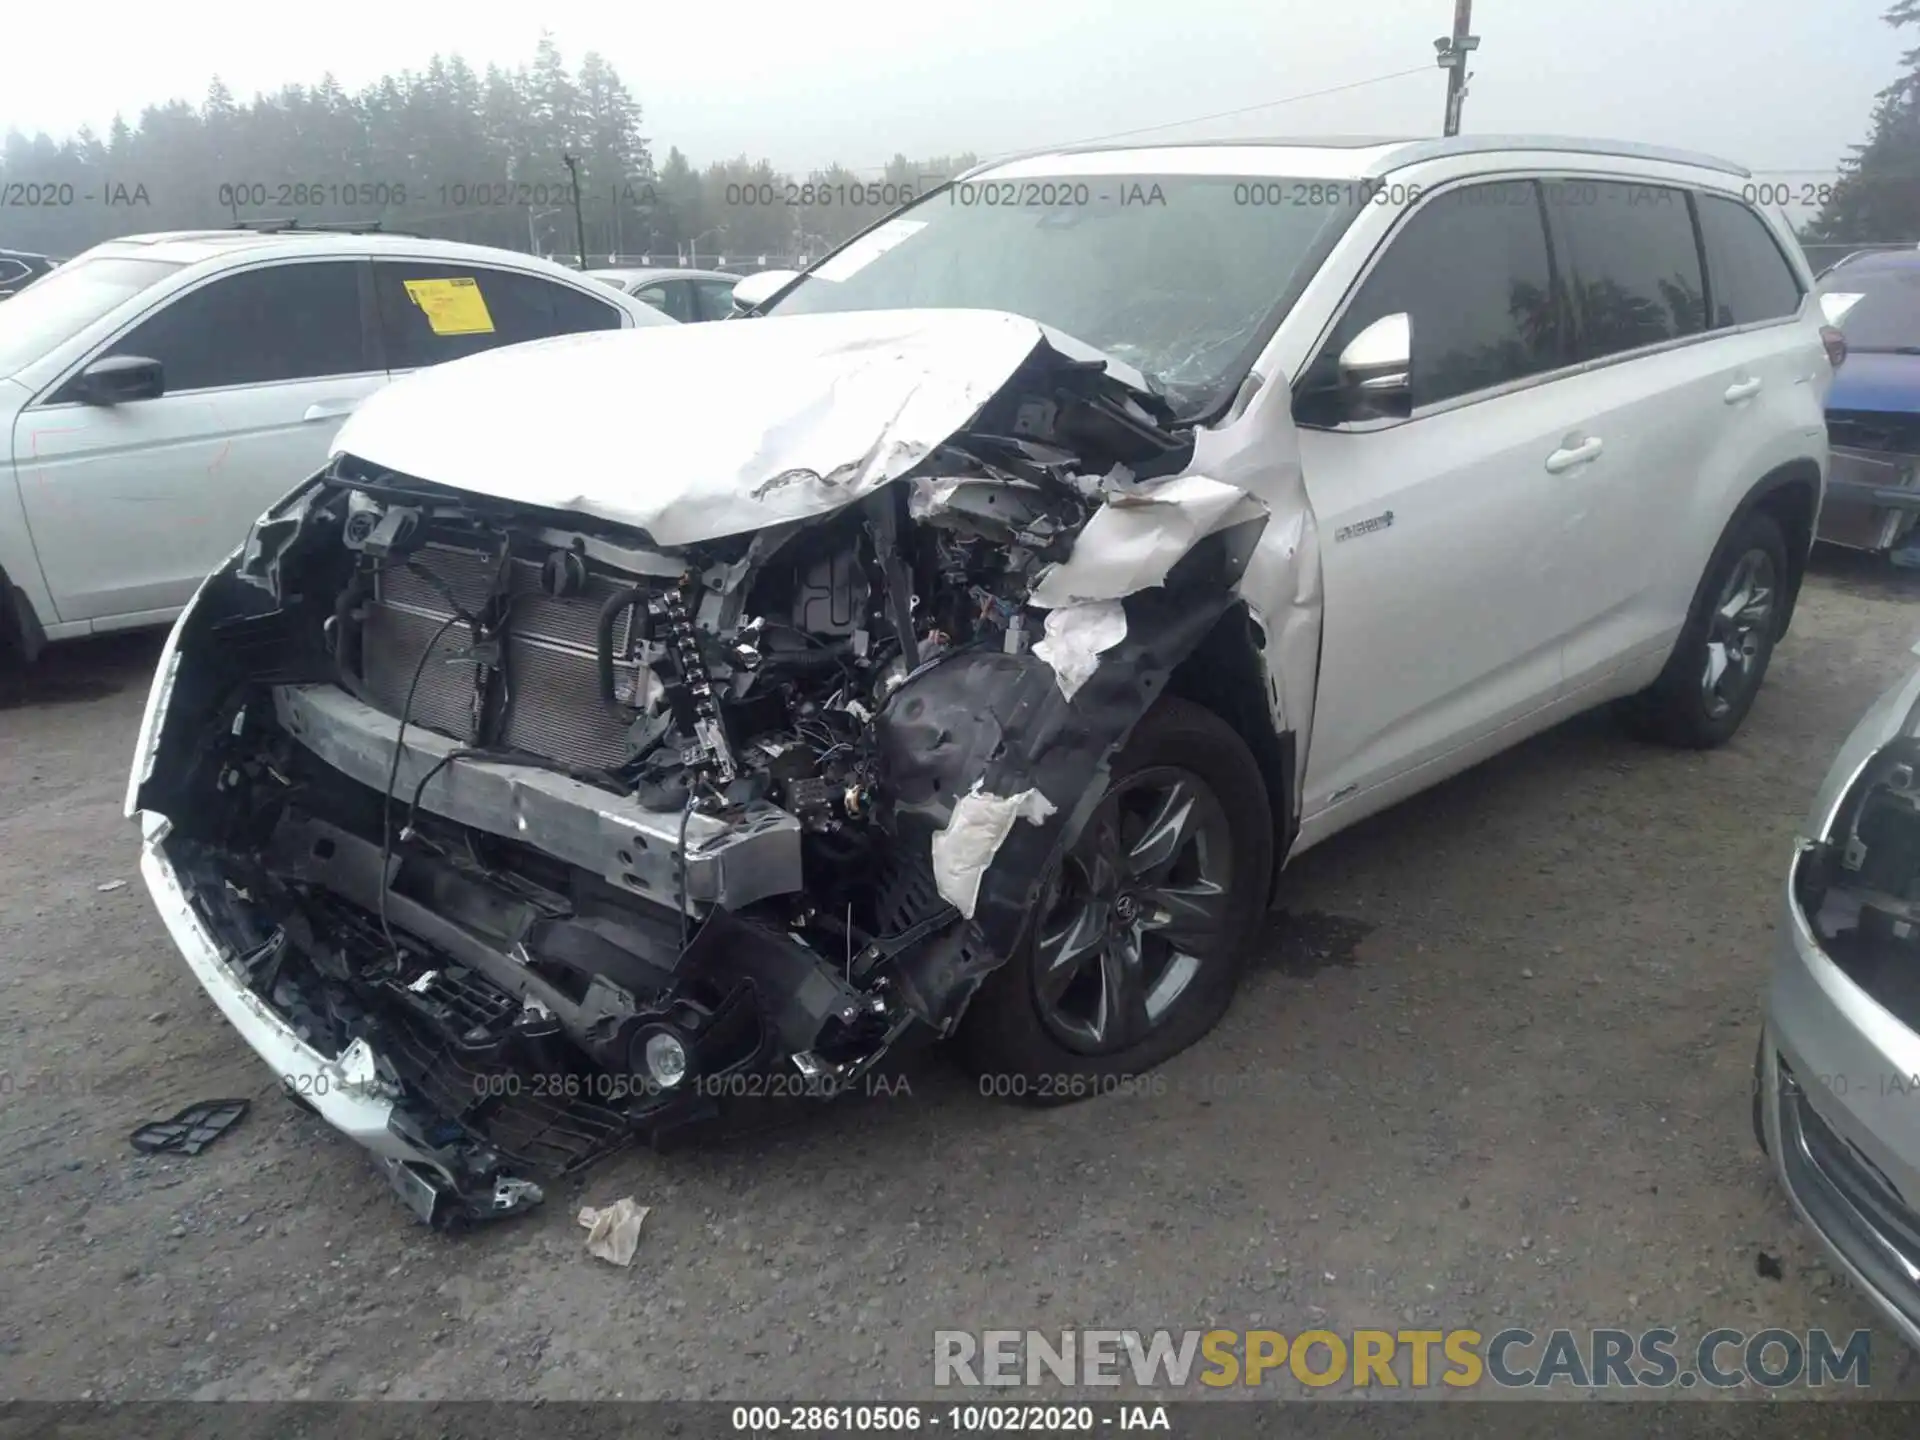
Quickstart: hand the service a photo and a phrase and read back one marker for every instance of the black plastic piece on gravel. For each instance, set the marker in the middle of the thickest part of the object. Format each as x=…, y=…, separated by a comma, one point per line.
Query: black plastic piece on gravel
x=192, y=1130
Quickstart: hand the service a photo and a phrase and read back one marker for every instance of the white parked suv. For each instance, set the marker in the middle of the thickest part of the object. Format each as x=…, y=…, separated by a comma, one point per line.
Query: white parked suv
x=962, y=644
x=158, y=391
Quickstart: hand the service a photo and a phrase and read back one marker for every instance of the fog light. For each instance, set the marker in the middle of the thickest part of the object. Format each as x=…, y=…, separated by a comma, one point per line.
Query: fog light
x=666, y=1059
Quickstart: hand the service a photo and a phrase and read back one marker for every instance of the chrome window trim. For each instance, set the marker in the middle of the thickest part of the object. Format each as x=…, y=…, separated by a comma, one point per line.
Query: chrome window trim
x=1544, y=377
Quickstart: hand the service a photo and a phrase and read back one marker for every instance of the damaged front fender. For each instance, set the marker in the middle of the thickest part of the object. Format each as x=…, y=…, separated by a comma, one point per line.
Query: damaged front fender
x=993, y=746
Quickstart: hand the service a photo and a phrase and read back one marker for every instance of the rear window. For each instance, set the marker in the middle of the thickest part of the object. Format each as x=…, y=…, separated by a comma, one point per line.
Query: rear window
x=1881, y=306
x=716, y=298
x=67, y=300
x=1749, y=277
x=1631, y=262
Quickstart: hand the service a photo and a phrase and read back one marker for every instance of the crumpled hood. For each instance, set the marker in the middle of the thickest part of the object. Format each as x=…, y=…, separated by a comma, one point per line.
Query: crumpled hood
x=692, y=432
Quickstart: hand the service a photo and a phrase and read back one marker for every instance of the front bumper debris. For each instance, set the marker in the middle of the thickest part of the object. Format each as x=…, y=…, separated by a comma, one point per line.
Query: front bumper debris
x=440, y=1189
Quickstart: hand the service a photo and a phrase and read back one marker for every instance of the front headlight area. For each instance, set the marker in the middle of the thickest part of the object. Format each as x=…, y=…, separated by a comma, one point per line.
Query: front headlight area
x=1859, y=884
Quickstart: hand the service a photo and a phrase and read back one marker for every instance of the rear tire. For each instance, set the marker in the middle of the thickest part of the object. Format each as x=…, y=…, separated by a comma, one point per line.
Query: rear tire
x=21, y=638
x=1721, y=657
x=1142, y=929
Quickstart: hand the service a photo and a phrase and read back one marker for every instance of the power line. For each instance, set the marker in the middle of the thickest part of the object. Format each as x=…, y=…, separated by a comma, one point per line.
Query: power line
x=1192, y=120
x=1249, y=109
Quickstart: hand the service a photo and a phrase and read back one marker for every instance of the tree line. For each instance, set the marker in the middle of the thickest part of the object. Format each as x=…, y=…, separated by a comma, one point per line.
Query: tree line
x=483, y=157
x=1877, y=195
x=449, y=152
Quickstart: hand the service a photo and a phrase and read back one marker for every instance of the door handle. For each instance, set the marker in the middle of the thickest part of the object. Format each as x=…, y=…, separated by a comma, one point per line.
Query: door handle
x=329, y=409
x=1568, y=456
x=1742, y=390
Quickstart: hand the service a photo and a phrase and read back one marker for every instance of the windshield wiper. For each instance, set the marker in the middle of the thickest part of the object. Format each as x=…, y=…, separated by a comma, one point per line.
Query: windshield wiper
x=1884, y=349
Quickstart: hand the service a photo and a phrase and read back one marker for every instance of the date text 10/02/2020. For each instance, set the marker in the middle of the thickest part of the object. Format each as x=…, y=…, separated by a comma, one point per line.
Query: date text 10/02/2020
x=398, y=194
x=800, y=1419
x=607, y=1088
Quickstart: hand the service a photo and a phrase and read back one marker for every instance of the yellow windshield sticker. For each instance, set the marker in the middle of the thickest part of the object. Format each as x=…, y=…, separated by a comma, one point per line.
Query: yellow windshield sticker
x=452, y=307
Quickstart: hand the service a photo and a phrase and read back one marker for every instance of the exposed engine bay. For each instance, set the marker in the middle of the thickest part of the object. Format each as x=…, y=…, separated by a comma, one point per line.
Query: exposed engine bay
x=544, y=830
x=1860, y=887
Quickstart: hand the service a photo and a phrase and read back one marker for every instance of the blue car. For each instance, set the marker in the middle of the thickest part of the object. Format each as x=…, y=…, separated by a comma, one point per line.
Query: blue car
x=1873, y=410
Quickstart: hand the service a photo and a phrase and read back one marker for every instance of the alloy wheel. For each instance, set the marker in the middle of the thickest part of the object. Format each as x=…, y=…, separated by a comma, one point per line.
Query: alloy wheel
x=1737, y=633
x=1136, y=912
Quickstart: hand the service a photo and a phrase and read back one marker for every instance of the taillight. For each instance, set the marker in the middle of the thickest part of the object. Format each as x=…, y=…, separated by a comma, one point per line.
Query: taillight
x=1836, y=344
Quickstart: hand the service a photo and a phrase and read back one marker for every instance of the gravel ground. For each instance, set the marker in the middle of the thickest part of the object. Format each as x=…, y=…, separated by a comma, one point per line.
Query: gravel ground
x=1491, y=1069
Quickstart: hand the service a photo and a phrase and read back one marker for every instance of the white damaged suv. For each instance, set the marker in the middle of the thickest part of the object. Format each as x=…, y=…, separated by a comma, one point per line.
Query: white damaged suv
x=961, y=647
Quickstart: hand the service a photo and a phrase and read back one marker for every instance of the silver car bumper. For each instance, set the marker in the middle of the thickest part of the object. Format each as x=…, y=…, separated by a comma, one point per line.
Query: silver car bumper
x=1872, y=499
x=1839, y=1085
x=346, y=1091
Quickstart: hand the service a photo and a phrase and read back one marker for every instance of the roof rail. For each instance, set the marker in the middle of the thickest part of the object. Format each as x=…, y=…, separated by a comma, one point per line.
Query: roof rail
x=283, y=225
x=1095, y=147
x=1439, y=149
x=1407, y=150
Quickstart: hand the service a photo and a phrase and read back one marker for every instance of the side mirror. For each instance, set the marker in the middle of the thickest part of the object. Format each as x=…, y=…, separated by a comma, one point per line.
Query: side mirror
x=1376, y=370
x=753, y=291
x=120, y=378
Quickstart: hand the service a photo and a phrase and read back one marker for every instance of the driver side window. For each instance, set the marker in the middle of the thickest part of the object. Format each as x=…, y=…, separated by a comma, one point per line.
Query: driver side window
x=1472, y=271
x=298, y=320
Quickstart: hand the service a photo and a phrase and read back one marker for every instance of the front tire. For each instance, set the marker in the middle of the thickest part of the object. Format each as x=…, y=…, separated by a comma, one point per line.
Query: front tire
x=1714, y=673
x=1142, y=928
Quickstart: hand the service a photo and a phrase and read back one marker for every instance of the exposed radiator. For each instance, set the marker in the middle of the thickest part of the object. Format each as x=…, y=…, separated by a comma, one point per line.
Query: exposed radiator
x=552, y=705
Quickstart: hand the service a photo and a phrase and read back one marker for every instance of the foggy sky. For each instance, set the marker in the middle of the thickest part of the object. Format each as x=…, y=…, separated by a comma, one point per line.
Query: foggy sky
x=1781, y=85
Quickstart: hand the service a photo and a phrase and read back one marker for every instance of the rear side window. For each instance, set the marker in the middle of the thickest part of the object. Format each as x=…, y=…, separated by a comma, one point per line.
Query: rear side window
x=716, y=298
x=294, y=321
x=1631, y=263
x=1470, y=270
x=430, y=313
x=1749, y=278
x=671, y=297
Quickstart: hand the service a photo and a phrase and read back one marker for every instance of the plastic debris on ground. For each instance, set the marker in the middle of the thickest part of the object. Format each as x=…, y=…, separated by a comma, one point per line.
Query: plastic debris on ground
x=614, y=1232
x=192, y=1130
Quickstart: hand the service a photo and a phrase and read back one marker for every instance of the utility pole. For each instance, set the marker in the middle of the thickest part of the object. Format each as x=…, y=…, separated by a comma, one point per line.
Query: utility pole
x=1452, y=51
x=579, y=220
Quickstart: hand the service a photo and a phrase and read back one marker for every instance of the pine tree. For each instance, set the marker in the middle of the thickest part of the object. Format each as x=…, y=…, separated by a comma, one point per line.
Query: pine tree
x=455, y=143
x=1877, y=197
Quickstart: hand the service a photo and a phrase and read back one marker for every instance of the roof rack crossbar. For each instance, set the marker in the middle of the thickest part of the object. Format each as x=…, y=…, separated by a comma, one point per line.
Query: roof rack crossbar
x=283, y=224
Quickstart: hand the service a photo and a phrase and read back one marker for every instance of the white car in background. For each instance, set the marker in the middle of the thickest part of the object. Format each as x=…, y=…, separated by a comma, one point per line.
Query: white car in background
x=689, y=296
x=159, y=391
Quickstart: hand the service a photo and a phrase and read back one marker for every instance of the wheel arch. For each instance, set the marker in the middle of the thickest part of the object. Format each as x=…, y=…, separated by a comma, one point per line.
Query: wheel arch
x=1227, y=675
x=21, y=636
x=1790, y=493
